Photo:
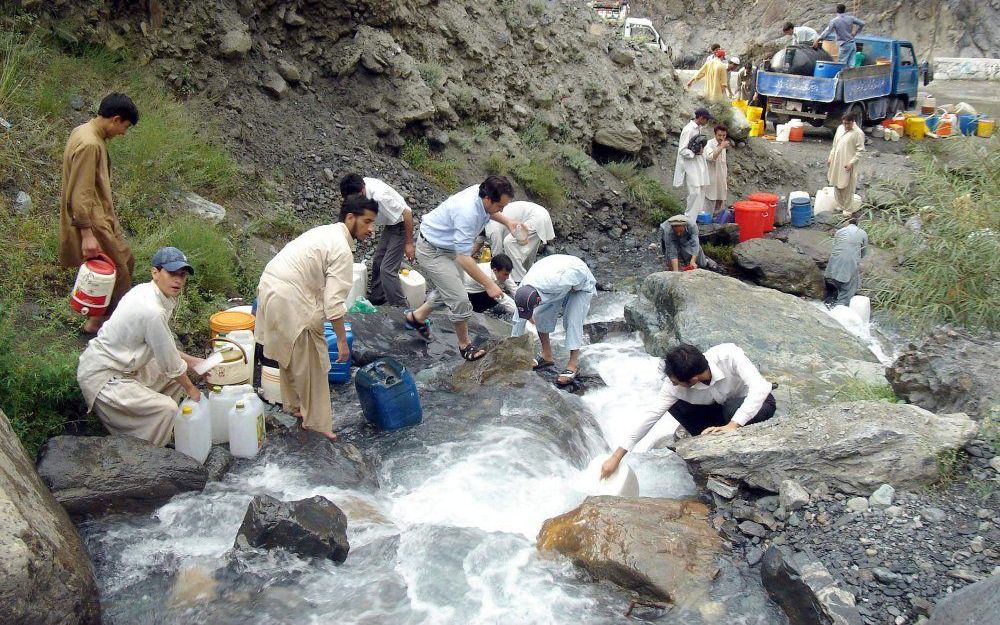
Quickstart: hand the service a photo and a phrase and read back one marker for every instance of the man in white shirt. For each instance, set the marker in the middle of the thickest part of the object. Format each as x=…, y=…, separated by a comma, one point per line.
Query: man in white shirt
x=132, y=374
x=800, y=34
x=708, y=393
x=556, y=284
x=691, y=169
x=303, y=286
x=444, y=250
x=522, y=246
x=499, y=269
x=396, y=240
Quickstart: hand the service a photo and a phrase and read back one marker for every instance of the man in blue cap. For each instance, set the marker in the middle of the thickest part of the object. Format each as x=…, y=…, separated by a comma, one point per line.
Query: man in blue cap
x=132, y=374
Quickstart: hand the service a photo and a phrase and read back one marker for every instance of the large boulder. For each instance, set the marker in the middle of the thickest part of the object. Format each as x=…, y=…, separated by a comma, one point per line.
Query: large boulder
x=94, y=475
x=777, y=265
x=817, y=245
x=661, y=548
x=320, y=461
x=949, y=371
x=805, y=590
x=311, y=528
x=977, y=603
x=623, y=137
x=854, y=447
x=45, y=573
x=791, y=341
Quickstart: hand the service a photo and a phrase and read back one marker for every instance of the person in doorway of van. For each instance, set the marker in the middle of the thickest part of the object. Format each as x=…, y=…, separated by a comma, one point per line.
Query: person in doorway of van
x=88, y=223
x=844, y=27
x=842, y=164
x=801, y=35
x=557, y=284
x=681, y=247
x=303, y=286
x=522, y=245
x=132, y=374
x=395, y=242
x=499, y=268
x=691, y=169
x=713, y=392
x=843, y=276
x=718, y=169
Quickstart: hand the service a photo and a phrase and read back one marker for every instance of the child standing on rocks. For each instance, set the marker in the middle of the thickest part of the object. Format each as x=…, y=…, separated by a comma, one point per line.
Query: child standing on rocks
x=718, y=169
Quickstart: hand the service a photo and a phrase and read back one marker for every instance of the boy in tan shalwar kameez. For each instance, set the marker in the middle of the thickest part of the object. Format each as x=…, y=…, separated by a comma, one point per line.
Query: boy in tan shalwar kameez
x=88, y=224
x=304, y=285
x=842, y=164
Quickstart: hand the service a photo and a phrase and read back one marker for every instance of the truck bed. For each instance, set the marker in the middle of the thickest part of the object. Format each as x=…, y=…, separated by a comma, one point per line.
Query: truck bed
x=852, y=84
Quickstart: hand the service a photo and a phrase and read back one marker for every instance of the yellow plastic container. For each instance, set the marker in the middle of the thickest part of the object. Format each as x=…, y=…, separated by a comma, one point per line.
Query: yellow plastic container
x=486, y=255
x=230, y=321
x=986, y=128
x=754, y=113
x=741, y=105
x=916, y=128
x=757, y=128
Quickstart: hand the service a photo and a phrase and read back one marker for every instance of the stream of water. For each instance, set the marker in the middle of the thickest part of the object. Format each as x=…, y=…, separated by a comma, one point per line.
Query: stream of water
x=449, y=537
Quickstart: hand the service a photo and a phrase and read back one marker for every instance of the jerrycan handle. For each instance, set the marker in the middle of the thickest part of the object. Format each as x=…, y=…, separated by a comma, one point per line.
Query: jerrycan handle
x=219, y=339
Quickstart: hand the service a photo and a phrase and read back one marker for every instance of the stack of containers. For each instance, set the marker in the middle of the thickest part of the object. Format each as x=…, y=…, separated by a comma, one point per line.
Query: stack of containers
x=752, y=218
x=771, y=201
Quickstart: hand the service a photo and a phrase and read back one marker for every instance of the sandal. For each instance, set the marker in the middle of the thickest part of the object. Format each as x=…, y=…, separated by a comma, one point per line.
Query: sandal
x=568, y=375
x=411, y=323
x=469, y=352
x=541, y=363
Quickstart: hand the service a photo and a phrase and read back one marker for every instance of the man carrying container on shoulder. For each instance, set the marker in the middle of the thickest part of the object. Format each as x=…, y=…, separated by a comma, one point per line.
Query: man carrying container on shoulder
x=132, y=375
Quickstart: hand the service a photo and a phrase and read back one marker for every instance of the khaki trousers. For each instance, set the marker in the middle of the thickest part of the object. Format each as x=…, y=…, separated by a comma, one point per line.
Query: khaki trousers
x=844, y=197
x=142, y=406
x=304, y=383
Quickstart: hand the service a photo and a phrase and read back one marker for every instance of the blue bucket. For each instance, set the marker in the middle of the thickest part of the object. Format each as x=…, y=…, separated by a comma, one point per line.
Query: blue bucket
x=802, y=212
x=704, y=217
x=827, y=69
x=968, y=124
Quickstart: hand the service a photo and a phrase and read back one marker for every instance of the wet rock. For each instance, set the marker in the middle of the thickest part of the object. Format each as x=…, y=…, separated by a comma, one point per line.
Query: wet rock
x=93, y=475
x=218, y=462
x=319, y=460
x=949, y=371
x=311, y=528
x=274, y=84
x=791, y=341
x=235, y=43
x=792, y=495
x=719, y=234
x=510, y=356
x=852, y=446
x=624, y=137
x=805, y=590
x=22, y=203
x=978, y=603
x=601, y=330
x=660, y=548
x=206, y=209
x=777, y=265
x=882, y=497
x=45, y=572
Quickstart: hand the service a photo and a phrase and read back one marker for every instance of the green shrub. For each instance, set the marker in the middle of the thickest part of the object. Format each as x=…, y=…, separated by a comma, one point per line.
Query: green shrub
x=443, y=172
x=655, y=203
x=719, y=253
x=541, y=180
x=622, y=170
x=432, y=74
x=856, y=389
x=281, y=224
x=497, y=164
x=577, y=160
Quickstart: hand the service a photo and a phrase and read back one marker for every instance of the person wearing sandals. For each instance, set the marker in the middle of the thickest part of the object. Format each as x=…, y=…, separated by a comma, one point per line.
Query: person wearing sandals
x=556, y=284
x=305, y=284
x=444, y=251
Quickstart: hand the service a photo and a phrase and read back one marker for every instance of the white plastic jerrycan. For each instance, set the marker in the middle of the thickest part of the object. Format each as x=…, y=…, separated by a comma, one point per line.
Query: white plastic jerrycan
x=220, y=401
x=246, y=427
x=621, y=483
x=193, y=429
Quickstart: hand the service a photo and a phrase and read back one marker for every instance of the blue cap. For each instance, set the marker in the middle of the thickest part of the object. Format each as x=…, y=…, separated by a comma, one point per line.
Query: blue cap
x=526, y=298
x=171, y=259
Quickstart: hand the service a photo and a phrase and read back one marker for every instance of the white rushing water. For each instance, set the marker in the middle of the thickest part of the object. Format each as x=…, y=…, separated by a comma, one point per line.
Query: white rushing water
x=448, y=538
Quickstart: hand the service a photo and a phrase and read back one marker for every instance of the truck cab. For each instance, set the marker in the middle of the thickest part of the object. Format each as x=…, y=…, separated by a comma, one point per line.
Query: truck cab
x=885, y=83
x=641, y=30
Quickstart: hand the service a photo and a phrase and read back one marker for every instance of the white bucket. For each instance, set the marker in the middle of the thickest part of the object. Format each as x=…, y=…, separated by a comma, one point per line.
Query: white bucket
x=219, y=404
x=246, y=427
x=782, y=132
x=414, y=287
x=621, y=483
x=360, y=285
x=270, y=384
x=193, y=429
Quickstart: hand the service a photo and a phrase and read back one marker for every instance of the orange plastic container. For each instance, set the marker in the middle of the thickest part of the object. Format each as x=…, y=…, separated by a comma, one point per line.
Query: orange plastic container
x=230, y=321
x=771, y=201
x=795, y=133
x=751, y=217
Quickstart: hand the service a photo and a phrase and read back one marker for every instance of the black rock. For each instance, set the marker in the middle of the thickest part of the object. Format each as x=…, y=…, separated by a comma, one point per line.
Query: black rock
x=218, y=462
x=321, y=461
x=805, y=590
x=312, y=528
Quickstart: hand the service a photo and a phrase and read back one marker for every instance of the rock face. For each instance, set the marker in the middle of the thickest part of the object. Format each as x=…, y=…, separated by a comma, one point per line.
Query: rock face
x=206, y=209
x=509, y=356
x=805, y=590
x=949, y=371
x=777, y=265
x=791, y=341
x=45, y=573
x=235, y=43
x=978, y=603
x=337, y=464
x=853, y=446
x=624, y=137
x=660, y=548
x=274, y=84
x=312, y=528
x=92, y=475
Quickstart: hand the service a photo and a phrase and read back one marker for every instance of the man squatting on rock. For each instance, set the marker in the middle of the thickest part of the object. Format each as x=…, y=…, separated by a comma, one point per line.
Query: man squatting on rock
x=132, y=374
x=843, y=273
x=499, y=268
x=717, y=391
x=396, y=240
x=681, y=247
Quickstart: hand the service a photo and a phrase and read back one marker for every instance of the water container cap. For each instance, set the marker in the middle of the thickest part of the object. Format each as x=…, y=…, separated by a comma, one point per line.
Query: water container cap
x=240, y=404
x=186, y=410
x=100, y=266
x=404, y=272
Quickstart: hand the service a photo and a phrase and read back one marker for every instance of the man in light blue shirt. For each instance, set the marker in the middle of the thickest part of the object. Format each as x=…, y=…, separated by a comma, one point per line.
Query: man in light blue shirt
x=842, y=28
x=444, y=251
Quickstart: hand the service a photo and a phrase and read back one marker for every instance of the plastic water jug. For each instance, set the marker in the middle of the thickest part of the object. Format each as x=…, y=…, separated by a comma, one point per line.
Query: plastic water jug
x=985, y=128
x=825, y=200
x=220, y=401
x=621, y=483
x=414, y=287
x=388, y=394
x=270, y=384
x=929, y=105
x=360, y=285
x=782, y=133
x=801, y=212
x=193, y=429
x=95, y=282
x=704, y=217
x=862, y=307
x=340, y=372
x=246, y=427
x=521, y=234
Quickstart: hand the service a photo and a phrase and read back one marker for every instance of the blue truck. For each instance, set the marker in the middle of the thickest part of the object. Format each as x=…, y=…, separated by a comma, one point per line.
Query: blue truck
x=885, y=84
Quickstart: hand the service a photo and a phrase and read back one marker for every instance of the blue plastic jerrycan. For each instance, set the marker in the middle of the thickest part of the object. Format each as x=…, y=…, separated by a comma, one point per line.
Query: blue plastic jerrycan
x=388, y=394
x=340, y=372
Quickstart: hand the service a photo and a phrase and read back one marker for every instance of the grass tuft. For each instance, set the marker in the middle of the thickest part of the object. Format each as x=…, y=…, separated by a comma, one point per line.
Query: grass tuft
x=719, y=253
x=417, y=154
x=857, y=389
x=539, y=176
x=655, y=203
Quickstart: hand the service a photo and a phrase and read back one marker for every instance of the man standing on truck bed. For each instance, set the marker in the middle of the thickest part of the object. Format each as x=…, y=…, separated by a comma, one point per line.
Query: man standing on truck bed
x=842, y=27
x=801, y=35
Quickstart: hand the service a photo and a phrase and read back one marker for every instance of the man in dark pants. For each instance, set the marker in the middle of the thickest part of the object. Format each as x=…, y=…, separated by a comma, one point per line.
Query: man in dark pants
x=499, y=268
x=707, y=393
x=395, y=241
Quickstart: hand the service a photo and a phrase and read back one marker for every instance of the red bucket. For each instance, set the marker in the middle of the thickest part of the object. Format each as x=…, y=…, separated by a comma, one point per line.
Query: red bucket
x=771, y=200
x=95, y=283
x=752, y=218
